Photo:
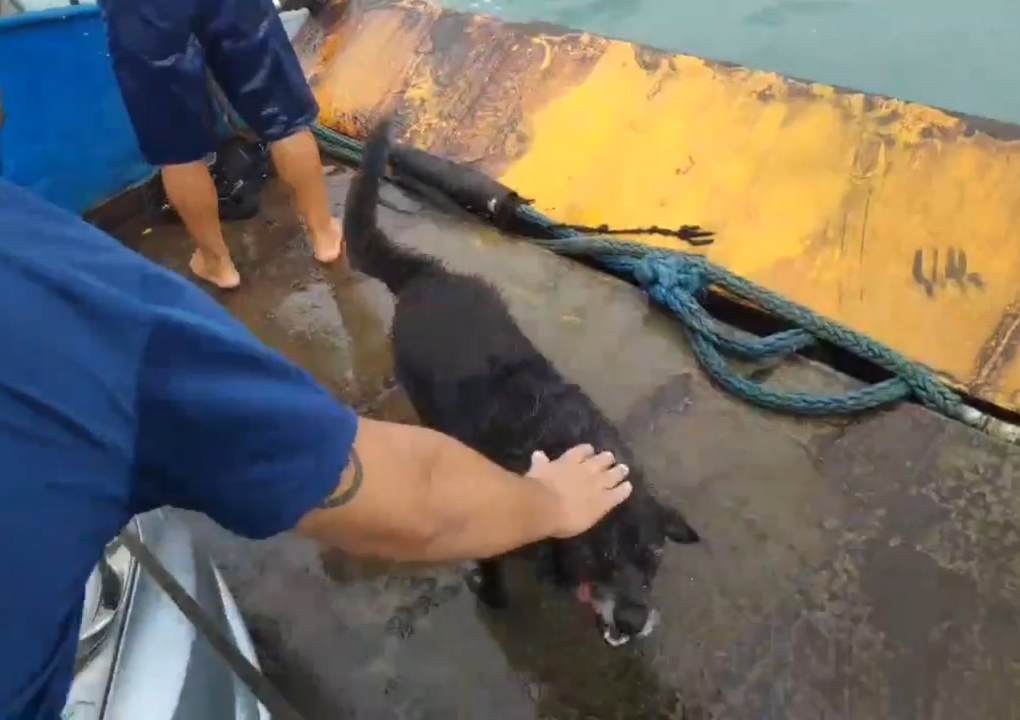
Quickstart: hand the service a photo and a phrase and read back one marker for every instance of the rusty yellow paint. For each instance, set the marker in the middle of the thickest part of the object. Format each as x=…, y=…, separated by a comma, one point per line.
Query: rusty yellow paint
x=898, y=220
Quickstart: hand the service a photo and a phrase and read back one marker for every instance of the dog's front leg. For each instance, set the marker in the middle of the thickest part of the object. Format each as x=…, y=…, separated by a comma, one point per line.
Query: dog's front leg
x=488, y=583
x=561, y=567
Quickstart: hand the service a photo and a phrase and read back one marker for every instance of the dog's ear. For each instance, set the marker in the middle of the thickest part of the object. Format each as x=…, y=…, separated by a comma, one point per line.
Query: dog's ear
x=676, y=526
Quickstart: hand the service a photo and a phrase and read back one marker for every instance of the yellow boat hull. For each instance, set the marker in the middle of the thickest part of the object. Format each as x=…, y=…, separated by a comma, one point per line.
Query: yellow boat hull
x=898, y=220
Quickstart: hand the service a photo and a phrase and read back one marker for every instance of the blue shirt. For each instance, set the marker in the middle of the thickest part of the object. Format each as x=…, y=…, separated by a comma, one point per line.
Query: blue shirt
x=123, y=387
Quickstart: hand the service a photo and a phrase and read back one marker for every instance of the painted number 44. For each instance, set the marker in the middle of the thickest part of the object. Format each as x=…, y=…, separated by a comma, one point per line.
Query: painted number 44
x=935, y=271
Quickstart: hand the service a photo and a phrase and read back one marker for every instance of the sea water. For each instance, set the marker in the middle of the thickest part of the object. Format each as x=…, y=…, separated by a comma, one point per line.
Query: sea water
x=959, y=55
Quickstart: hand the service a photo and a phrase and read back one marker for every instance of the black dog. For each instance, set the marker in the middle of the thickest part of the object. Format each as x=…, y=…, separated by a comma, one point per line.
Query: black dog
x=470, y=372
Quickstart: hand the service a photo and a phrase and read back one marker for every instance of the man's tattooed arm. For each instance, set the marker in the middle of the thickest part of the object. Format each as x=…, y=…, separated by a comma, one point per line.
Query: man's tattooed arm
x=344, y=496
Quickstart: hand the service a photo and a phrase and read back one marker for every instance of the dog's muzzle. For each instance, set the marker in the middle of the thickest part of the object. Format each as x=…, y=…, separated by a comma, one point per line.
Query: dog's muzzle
x=618, y=625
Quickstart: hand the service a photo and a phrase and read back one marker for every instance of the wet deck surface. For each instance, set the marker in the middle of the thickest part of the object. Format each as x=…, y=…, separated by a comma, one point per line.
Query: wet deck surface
x=865, y=570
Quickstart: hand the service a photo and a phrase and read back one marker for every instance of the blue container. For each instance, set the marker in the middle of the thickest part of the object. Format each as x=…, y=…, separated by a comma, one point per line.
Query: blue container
x=65, y=133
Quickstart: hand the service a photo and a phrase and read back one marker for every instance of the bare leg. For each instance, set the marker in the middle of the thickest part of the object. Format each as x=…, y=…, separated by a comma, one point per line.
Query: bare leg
x=191, y=191
x=297, y=162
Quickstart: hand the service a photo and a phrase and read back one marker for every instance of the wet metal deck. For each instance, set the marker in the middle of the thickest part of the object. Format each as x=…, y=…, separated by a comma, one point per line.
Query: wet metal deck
x=865, y=570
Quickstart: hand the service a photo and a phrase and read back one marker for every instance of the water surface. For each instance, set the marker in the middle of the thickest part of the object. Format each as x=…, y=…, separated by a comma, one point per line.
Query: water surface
x=964, y=56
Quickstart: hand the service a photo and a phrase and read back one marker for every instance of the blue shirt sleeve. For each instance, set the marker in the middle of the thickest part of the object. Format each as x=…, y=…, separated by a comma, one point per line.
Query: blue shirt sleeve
x=125, y=387
x=229, y=427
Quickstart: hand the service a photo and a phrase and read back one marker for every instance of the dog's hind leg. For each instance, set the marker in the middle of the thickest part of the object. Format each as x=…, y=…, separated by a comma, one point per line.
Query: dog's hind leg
x=488, y=583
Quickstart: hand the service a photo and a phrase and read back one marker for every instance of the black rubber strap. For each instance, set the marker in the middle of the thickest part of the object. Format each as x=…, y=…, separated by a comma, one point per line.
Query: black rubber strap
x=260, y=687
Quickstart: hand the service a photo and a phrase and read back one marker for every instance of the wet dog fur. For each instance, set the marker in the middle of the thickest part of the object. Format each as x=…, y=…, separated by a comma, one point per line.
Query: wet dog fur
x=470, y=372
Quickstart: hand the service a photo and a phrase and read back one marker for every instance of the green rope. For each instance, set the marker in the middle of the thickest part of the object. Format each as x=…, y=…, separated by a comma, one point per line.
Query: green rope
x=337, y=145
x=680, y=281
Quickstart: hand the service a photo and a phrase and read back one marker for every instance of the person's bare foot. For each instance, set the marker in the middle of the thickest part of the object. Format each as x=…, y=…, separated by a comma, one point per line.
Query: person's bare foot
x=328, y=248
x=219, y=272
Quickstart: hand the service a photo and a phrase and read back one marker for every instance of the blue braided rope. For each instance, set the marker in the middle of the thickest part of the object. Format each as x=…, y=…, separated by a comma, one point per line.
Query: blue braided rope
x=679, y=280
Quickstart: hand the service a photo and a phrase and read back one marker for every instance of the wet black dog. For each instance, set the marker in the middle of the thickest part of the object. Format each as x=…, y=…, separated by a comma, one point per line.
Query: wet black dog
x=470, y=372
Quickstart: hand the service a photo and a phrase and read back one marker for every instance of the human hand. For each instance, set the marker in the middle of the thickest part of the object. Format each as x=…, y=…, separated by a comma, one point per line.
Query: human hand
x=585, y=486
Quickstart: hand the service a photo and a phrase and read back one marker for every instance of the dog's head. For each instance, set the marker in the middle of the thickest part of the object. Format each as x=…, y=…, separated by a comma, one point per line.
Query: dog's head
x=624, y=561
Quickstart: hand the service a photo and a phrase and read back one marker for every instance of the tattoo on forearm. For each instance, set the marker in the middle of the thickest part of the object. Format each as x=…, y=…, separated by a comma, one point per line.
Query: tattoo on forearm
x=345, y=496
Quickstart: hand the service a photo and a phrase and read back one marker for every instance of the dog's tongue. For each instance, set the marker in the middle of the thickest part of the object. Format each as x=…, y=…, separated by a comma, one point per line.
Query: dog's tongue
x=584, y=593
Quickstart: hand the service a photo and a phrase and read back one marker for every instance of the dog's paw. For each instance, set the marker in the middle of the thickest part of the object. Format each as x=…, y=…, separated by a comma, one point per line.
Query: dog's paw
x=490, y=594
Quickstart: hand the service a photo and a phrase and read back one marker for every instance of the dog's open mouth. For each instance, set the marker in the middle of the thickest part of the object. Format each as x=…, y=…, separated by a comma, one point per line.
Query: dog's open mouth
x=614, y=637
x=603, y=604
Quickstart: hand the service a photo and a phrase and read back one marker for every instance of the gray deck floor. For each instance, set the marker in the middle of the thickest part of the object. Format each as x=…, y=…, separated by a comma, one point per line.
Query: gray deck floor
x=863, y=570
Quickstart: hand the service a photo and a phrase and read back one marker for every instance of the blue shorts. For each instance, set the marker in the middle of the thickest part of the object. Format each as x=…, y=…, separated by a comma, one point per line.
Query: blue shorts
x=161, y=50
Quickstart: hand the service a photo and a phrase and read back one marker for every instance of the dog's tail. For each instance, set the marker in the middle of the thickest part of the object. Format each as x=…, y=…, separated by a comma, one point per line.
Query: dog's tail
x=370, y=250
